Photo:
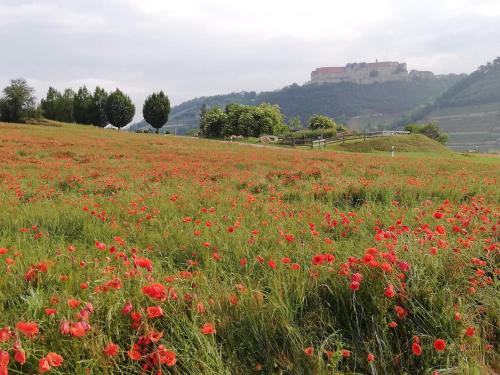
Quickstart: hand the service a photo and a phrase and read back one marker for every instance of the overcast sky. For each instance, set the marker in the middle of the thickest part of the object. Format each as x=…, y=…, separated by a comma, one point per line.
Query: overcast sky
x=193, y=48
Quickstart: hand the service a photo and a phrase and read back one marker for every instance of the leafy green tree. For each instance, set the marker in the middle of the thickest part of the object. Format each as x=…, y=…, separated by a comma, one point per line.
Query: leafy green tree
x=18, y=101
x=321, y=122
x=212, y=122
x=49, y=104
x=97, y=109
x=65, y=106
x=156, y=109
x=295, y=123
x=119, y=109
x=81, y=106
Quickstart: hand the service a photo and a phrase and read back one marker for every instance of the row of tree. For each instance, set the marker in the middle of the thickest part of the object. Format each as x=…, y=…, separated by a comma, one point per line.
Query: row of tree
x=254, y=121
x=99, y=108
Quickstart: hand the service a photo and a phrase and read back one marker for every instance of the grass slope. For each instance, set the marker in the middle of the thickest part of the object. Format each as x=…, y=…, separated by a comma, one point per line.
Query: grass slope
x=410, y=143
x=203, y=257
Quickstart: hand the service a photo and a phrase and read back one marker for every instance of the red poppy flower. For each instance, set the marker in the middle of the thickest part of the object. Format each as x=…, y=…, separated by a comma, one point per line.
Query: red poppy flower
x=416, y=349
x=439, y=345
x=370, y=357
x=154, y=312
x=208, y=329
x=20, y=356
x=111, y=350
x=389, y=292
x=309, y=351
x=144, y=263
x=470, y=331
x=155, y=291
x=27, y=328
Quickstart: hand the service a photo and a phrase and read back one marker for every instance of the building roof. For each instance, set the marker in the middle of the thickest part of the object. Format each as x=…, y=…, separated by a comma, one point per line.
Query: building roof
x=326, y=70
x=342, y=69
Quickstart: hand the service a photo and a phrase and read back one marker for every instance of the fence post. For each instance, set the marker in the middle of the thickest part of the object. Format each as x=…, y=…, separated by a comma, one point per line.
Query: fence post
x=343, y=137
x=364, y=135
x=293, y=145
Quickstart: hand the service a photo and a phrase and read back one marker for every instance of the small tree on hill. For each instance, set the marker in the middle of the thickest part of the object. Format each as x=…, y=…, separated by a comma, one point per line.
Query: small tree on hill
x=81, y=105
x=119, y=109
x=97, y=109
x=321, y=122
x=430, y=130
x=156, y=109
x=18, y=101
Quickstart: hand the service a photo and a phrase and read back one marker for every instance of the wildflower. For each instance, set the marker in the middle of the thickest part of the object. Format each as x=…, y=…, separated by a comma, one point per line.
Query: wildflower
x=144, y=263
x=155, y=291
x=111, y=350
x=208, y=329
x=416, y=349
x=154, y=312
x=389, y=292
x=439, y=345
x=27, y=328
x=20, y=356
x=470, y=331
x=309, y=351
x=370, y=357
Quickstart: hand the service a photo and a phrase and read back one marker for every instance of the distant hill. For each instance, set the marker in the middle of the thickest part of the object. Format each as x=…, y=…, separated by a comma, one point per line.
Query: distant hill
x=469, y=111
x=346, y=102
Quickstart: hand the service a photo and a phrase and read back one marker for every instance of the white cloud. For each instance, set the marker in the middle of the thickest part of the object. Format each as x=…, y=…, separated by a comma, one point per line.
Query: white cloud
x=199, y=47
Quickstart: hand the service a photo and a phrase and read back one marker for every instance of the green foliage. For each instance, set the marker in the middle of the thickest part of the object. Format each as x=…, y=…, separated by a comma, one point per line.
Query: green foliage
x=57, y=106
x=480, y=87
x=97, y=110
x=156, y=109
x=18, y=101
x=212, y=122
x=119, y=109
x=244, y=120
x=321, y=122
x=82, y=102
x=295, y=123
x=82, y=107
x=430, y=130
x=340, y=101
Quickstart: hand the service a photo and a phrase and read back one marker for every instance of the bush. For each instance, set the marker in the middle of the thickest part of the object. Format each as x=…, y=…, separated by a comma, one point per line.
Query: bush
x=430, y=130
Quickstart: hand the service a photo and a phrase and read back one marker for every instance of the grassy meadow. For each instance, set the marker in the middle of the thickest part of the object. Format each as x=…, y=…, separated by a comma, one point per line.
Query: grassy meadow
x=141, y=254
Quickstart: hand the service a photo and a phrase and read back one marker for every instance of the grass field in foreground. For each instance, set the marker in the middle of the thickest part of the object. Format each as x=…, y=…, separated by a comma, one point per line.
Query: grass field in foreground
x=136, y=253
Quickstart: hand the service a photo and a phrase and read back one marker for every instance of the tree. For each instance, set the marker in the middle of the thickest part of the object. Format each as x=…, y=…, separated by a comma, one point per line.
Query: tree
x=49, y=104
x=65, y=106
x=212, y=122
x=119, y=109
x=430, y=130
x=97, y=108
x=321, y=122
x=295, y=123
x=18, y=101
x=81, y=106
x=156, y=109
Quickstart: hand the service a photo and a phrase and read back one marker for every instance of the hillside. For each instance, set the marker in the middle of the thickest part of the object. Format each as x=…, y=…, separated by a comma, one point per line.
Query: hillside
x=410, y=143
x=121, y=250
x=469, y=111
x=346, y=102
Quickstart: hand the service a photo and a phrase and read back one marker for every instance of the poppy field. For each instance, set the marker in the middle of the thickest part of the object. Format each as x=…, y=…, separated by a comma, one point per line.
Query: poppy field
x=141, y=254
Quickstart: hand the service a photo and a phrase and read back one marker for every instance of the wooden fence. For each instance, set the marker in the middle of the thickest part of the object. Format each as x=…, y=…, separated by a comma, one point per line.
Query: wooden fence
x=340, y=138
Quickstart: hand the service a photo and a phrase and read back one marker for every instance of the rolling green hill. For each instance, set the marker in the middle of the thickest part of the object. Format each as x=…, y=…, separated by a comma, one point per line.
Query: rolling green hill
x=346, y=102
x=407, y=143
x=469, y=111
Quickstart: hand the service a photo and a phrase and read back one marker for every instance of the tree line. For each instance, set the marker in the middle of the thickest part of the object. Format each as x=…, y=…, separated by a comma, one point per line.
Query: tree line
x=254, y=121
x=98, y=108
